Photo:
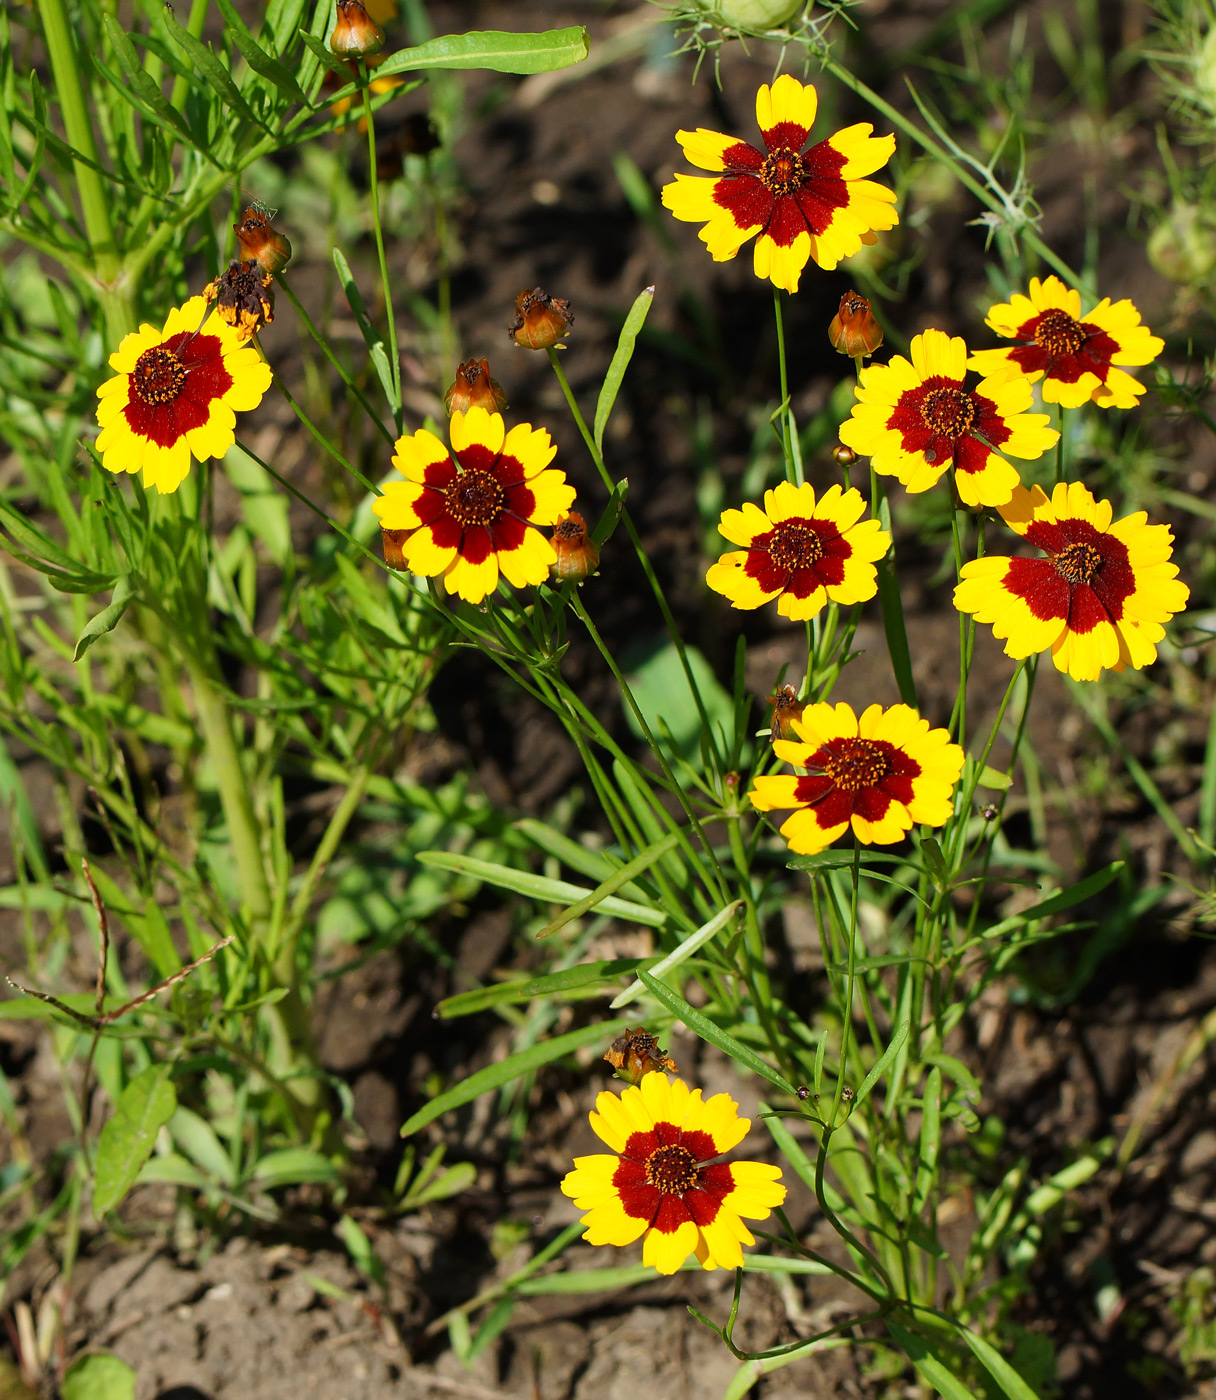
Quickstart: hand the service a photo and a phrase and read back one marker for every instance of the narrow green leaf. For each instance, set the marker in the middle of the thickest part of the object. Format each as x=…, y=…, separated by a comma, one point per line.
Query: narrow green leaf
x=541, y=887
x=935, y=861
x=620, y=361
x=212, y=70
x=107, y=619
x=890, y=602
x=447, y=1184
x=930, y=1140
x=496, y=1075
x=596, y=865
x=574, y=1281
x=31, y=1009
x=642, y=861
x=319, y=51
x=283, y=18
x=127, y=1140
x=997, y=1367
x=681, y=954
x=265, y=66
x=895, y=1045
x=293, y=1166
x=715, y=1035
x=142, y=85
x=928, y=1362
x=499, y=50
x=526, y=988
x=99, y=1376
x=994, y=778
x=199, y=1141
x=1066, y=899
x=371, y=336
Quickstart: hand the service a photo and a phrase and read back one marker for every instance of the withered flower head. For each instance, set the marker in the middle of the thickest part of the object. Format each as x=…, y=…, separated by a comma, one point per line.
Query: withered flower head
x=785, y=708
x=636, y=1053
x=266, y=246
x=475, y=389
x=394, y=552
x=854, y=331
x=355, y=34
x=540, y=320
x=242, y=297
x=577, y=553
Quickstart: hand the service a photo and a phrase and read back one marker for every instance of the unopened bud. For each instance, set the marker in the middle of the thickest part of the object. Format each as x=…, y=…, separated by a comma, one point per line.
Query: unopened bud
x=394, y=551
x=854, y=331
x=266, y=246
x=355, y=33
x=578, y=555
x=242, y=297
x=540, y=320
x=785, y=709
x=843, y=456
x=473, y=388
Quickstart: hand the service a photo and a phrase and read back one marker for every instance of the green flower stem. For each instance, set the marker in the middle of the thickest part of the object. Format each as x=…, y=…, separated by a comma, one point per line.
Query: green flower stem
x=322, y=440
x=113, y=291
x=846, y=1020
x=890, y=601
x=343, y=373
x=1061, y=463
x=789, y=429
x=374, y=183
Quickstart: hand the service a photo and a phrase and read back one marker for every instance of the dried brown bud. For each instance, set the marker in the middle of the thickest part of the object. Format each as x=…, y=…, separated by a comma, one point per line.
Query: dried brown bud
x=242, y=297
x=577, y=553
x=636, y=1053
x=540, y=320
x=266, y=246
x=785, y=709
x=393, y=541
x=854, y=331
x=843, y=456
x=474, y=388
x=355, y=33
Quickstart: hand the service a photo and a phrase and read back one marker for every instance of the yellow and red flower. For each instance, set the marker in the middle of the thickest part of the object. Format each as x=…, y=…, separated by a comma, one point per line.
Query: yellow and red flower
x=1098, y=597
x=914, y=419
x=1076, y=356
x=802, y=551
x=176, y=394
x=662, y=1181
x=802, y=204
x=471, y=513
x=878, y=774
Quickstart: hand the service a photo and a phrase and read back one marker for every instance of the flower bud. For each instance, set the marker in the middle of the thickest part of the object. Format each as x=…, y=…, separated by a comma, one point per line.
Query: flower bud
x=475, y=389
x=355, y=34
x=242, y=297
x=843, y=456
x=540, y=320
x=393, y=541
x=785, y=708
x=636, y=1053
x=854, y=331
x=268, y=248
x=577, y=553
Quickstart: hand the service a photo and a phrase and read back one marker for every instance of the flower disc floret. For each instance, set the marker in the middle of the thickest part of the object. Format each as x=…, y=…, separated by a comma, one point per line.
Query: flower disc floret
x=662, y=1180
x=803, y=551
x=878, y=774
x=175, y=395
x=1098, y=595
x=799, y=204
x=1076, y=355
x=469, y=514
x=916, y=418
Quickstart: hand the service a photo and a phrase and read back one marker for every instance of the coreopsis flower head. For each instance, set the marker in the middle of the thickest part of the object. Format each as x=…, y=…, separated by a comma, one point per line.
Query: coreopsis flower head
x=878, y=774
x=473, y=387
x=661, y=1180
x=355, y=34
x=854, y=331
x=800, y=204
x=802, y=551
x=635, y=1054
x=541, y=321
x=914, y=418
x=578, y=555
x=175, y=395
x=472, y=512
x=242, y=297
x=1075, y=355
x=1097, y=596
x=270, y=249
x=786, y=708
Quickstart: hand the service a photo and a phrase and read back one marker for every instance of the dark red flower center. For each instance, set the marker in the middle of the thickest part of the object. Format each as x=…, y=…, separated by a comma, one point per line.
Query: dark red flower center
x=783, y=171
x=1058, y=334
x=1079, y=562
x=158, y=377
x=948, y=412
x=475, y=498
x=794, y=545
x=856, y=764
x=671, y=1169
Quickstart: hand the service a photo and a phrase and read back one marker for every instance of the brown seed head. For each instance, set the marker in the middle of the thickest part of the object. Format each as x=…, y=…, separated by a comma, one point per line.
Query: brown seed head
x=266, y=246
x=636, y=1053
x=785, y=709
x=578, y=555
x=355, y=34
x=473, y=387
x=243, y=297
x=854, y=331
x=540, y=320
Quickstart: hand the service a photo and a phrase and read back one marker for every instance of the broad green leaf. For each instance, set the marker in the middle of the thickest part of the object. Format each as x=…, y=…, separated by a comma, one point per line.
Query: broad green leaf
x=928, y=1362
x=292, y=1166
x=198, y=1140
x=660, y=688
x=499, y=50
x=620, y=361
x=496, y=1075
x=100, y=1376
x=895, y=1045
x=715, y=1035
x=997, y=1367
x=127, y=1140
x=681, y=954
x=107, y=619
x=526, y=988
